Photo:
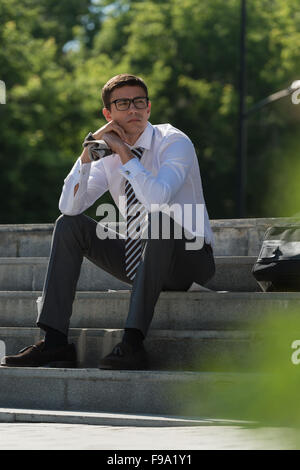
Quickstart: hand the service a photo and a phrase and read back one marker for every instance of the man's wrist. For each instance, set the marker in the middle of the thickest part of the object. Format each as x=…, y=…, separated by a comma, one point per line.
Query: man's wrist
x=125, y=154
x=85, y=156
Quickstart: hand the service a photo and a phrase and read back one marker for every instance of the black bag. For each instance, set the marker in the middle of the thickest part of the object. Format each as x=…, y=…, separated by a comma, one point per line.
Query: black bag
x=278, y=265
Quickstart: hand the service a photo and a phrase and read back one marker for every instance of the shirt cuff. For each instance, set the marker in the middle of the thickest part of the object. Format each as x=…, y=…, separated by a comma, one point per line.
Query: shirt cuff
x=131, y=168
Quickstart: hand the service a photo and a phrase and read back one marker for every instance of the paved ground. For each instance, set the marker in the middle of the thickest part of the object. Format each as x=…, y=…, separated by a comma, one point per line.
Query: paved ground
x=91, y=437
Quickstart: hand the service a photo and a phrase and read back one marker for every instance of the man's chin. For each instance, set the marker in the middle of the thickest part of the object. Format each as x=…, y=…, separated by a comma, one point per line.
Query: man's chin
x=134, y=127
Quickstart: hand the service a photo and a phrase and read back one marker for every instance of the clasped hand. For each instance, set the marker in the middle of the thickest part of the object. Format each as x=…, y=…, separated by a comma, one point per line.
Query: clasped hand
x=113, y=134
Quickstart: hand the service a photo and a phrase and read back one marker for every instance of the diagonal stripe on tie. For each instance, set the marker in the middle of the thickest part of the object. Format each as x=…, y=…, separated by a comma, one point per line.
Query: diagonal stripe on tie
x=135, y=209
x=134, y=231
x=135, y=217
x=131, y=272
x=135, y=214
x=134, y=261
x=132, y=254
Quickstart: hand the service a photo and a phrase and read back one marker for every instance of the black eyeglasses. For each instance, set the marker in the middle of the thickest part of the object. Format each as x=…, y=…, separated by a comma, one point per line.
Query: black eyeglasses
x=122, y=104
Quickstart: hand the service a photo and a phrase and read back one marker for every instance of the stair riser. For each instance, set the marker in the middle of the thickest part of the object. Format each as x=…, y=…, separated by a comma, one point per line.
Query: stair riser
x=24, y=275
x=240, y=237
x=31, y=276
x=114, y=392
x=192, y=351
x=179, y=312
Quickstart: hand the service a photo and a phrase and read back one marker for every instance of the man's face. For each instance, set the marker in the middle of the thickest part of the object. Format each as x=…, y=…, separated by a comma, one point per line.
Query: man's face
x=133, y=120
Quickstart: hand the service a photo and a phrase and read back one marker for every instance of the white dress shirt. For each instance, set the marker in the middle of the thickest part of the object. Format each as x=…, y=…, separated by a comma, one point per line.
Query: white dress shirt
x=167, y=175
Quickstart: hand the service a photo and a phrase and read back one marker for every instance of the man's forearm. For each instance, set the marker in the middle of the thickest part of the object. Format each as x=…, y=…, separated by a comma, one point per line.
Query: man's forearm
x=85, y=156
x=124, y=153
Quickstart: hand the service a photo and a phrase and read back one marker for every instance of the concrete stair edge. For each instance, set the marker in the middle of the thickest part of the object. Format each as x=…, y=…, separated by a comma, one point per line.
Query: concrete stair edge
x=15, y=415
x=151, y=392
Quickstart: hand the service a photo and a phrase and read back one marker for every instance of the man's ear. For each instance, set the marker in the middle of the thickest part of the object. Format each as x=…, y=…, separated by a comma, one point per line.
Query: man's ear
x=106, y=114
x=149, y=109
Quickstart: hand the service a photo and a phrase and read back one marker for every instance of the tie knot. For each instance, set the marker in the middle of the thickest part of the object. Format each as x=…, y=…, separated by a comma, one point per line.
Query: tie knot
x=138, y=152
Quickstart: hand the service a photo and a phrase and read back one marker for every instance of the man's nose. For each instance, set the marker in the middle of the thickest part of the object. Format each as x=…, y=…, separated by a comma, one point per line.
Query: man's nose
x=131, y=106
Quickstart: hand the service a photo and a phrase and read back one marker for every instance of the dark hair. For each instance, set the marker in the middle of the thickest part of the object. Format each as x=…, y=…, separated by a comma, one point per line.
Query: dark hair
x=123, y=79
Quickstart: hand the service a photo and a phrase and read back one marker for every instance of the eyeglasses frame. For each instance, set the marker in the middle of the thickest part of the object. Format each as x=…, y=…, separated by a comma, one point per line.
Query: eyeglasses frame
x=131, y=100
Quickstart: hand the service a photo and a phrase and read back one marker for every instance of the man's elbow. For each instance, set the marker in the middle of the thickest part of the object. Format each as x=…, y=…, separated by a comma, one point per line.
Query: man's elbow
x=67, y=209
x=67, y=204
x=161, y=197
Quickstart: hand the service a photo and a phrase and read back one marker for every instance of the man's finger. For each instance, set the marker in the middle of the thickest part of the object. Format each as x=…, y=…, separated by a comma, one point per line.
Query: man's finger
x=120, y=131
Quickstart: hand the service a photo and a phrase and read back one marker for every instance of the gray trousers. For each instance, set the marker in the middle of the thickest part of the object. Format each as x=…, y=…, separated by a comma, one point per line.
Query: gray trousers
x=165, y=266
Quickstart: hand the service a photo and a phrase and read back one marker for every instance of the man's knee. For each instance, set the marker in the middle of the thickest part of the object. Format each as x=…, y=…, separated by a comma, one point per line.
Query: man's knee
x=64, y=223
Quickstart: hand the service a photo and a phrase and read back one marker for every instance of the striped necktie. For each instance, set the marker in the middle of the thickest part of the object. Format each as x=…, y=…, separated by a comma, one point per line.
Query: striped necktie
x=135, y=220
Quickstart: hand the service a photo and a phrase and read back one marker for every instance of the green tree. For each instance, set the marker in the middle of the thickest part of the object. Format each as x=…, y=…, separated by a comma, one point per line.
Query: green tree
x=48, y=111
x=187, y=50
x=56, y=57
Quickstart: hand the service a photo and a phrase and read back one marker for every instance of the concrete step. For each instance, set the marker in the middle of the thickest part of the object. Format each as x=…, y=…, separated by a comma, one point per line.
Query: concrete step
x=28, y=273
x=93, y=390
x=233, y=237
x=174, y=310
x=167, y=349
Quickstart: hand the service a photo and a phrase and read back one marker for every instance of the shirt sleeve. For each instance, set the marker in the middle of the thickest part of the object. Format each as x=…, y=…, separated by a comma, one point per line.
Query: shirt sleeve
x=176, y=161
x=92, y=184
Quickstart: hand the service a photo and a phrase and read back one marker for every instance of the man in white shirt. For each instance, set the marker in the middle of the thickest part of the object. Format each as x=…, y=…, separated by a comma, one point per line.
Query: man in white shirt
x=152, y=168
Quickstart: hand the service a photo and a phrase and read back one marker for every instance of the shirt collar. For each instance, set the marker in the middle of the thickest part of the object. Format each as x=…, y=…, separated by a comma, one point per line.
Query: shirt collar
x=145, y=138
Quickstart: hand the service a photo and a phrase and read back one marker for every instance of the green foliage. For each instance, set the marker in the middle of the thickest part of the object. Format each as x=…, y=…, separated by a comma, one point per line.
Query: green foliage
x=269, y=394
x=56, y=56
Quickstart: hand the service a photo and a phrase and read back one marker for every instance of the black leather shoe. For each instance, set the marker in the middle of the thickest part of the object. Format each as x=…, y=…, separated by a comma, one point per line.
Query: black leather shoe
x=35, y=356
x=123, y=357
